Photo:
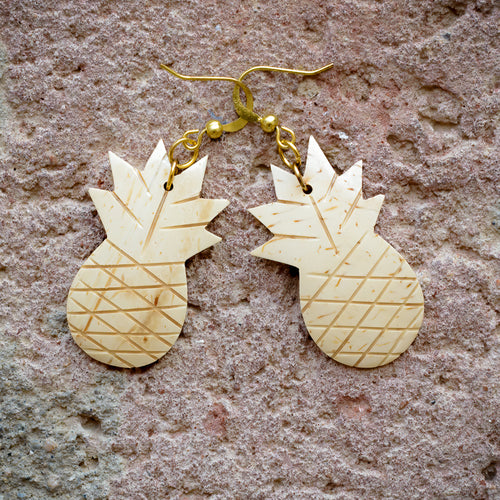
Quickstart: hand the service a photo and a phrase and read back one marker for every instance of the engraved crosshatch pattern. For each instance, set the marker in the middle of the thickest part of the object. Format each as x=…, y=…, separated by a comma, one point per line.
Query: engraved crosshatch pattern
x=137, y=337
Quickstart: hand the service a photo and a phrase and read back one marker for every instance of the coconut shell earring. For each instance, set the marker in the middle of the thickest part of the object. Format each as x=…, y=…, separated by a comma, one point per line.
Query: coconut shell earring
x=128, y=301
x=360, y=299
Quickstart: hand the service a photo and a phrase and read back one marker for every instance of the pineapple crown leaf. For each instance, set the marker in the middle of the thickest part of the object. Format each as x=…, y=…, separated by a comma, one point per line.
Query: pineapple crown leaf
x=141, y=216
x=305, y=224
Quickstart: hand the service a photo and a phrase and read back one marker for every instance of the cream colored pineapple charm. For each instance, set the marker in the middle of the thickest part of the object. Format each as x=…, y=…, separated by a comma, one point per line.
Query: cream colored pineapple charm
x=128, y=301
x=360, y=299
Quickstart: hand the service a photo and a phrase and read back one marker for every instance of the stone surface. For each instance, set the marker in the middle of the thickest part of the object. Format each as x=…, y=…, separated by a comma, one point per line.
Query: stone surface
x=245, y=405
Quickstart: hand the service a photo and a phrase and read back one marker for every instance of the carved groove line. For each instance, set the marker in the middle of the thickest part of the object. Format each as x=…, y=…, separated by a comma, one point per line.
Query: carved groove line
x=378, y=328
x=367, y=303
x=295, y=237
x=135, y=292
x=331, y=276
x=116, y=288
x=185, y=226
x=100, y=266
x=186, y=200
x=290, y=202
x=101, y=347
x=126, y=208
x=411, y=327
x=109, y=325
x=125, y=312
x=142, y=334
x=345, y=276
x=144, y=268
x=323, y=223
x=133, y=309
x=122, y=351
x=156, y=218
x=346, y=305
x=351, y=210
x=381, y=334
x=330, y=187
x=139, y=175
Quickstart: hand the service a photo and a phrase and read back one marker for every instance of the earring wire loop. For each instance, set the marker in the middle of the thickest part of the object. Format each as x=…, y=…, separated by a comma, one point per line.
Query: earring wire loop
x=248, y=114
x=283, y=144
x=286, y=70
x=245, y=115
x=235, y=125
x=193, y=145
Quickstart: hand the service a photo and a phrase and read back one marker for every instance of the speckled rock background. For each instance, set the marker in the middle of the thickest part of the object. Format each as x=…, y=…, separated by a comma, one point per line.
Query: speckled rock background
x=245, y=405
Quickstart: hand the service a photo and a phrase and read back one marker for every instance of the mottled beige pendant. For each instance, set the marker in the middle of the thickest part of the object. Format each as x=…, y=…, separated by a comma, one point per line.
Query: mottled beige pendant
x=128, y=301
x=360, y=299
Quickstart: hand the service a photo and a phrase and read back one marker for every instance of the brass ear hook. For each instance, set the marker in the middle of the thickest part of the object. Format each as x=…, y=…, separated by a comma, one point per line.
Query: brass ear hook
x=235, y=125
x=286, y=70
x=270, y=123
x=247, y=113
x=214, y=128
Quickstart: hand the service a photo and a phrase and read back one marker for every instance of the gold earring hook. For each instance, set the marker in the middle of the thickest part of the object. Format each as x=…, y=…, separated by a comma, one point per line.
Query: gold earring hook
x=247, y=113
x=286, y=70
x=214, y=128
x=270, y=123
x=201, y=78
x=236, y=124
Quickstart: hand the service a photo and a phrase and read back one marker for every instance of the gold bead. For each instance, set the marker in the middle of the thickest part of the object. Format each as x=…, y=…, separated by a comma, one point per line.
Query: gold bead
x=214, y=129
x=269, y=123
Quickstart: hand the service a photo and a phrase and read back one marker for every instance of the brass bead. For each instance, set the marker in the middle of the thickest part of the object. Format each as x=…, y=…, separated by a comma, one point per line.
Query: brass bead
x=214, y=129
x=269, y=123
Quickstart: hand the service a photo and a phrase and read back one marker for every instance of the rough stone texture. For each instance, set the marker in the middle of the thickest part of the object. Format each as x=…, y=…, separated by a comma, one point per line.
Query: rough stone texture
x=245, y=405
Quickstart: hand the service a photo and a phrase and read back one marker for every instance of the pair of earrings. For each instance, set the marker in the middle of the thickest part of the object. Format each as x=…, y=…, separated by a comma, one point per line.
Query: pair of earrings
x=360, y=300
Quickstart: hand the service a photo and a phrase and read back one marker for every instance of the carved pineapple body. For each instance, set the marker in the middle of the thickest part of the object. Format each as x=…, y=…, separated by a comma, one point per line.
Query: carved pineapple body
x=127, y=303
x=360, y=300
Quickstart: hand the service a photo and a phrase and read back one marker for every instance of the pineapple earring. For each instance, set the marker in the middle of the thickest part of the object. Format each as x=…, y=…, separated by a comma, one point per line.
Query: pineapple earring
x=361, y=301
x=127, y=303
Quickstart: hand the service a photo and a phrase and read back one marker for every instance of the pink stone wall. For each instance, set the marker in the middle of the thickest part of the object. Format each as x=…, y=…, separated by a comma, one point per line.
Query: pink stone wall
x=245, y=405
